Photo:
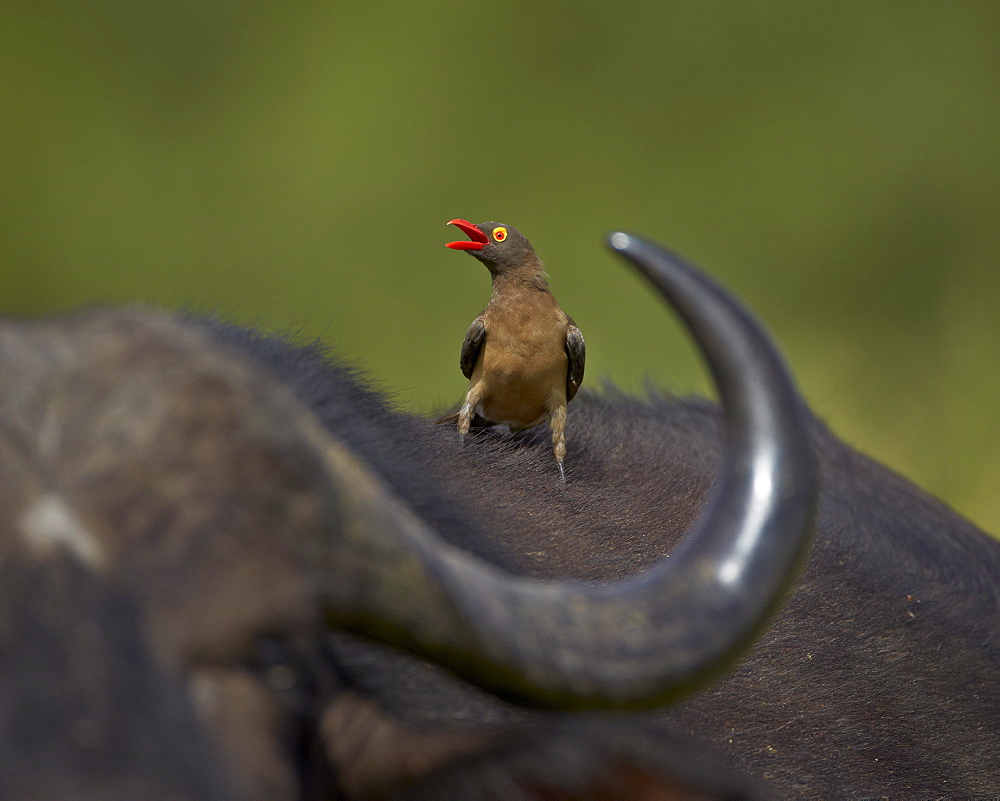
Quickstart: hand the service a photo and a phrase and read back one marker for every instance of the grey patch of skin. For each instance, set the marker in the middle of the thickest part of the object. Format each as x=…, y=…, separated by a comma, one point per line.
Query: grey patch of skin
x=49, y=523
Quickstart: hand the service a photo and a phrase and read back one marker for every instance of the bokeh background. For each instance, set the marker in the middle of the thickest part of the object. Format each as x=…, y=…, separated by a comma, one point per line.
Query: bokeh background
x=293, y=165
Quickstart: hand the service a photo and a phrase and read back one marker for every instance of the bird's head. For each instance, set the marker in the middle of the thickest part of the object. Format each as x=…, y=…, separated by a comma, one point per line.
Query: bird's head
x=500, y=247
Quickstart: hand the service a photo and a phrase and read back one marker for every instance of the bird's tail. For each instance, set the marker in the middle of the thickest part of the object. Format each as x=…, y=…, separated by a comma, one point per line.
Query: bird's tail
x=478, y=421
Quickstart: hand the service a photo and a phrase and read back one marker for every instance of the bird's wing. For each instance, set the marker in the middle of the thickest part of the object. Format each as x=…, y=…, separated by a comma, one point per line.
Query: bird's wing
x=472, y=345
x=577, y=352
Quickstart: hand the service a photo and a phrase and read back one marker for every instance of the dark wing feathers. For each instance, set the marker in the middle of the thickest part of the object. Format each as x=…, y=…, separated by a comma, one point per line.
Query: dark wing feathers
x=576, y=350
x=472, y=345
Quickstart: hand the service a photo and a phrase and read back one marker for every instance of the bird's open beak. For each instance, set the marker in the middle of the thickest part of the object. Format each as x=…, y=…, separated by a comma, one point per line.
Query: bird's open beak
x=477, y=239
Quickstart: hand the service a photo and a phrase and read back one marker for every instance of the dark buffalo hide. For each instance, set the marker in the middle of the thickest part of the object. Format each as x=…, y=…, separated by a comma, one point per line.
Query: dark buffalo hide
x=188, y=664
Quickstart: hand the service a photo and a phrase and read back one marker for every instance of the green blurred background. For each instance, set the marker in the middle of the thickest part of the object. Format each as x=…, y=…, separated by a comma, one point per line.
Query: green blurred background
x=293, y=165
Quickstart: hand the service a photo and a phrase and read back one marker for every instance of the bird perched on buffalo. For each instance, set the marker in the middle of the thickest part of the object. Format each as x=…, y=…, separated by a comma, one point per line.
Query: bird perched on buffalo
x=523, y=355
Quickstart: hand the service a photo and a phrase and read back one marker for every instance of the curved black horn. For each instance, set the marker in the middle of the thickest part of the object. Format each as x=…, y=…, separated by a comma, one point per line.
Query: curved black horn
x=635, y=643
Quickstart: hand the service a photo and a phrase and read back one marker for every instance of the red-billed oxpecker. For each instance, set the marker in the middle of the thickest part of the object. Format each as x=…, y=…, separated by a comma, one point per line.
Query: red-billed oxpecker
x=523, y=355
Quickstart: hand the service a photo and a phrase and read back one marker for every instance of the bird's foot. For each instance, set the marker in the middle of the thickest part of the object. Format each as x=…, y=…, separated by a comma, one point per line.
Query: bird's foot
x=464, y=420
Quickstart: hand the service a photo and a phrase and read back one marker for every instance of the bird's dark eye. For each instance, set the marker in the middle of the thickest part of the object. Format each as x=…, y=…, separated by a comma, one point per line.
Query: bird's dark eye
x=500, y=234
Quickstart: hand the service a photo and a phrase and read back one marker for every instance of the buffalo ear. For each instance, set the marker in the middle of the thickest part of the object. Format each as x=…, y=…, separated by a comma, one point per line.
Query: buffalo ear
x=591, y=759
x=374, y=756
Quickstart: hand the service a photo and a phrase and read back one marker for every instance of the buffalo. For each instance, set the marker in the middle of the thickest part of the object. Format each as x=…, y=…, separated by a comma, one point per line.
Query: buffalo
x=230, y=569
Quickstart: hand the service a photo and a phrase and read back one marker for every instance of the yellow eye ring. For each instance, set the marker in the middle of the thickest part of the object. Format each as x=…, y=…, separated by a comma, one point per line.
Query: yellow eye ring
x=500, y=234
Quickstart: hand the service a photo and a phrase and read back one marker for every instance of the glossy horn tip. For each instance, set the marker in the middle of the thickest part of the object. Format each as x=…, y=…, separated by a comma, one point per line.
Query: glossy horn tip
x=619, y=240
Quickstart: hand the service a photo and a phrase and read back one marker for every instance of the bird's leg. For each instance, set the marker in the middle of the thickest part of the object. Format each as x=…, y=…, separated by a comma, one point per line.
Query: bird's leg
x=557, y=422
x=465, y=414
